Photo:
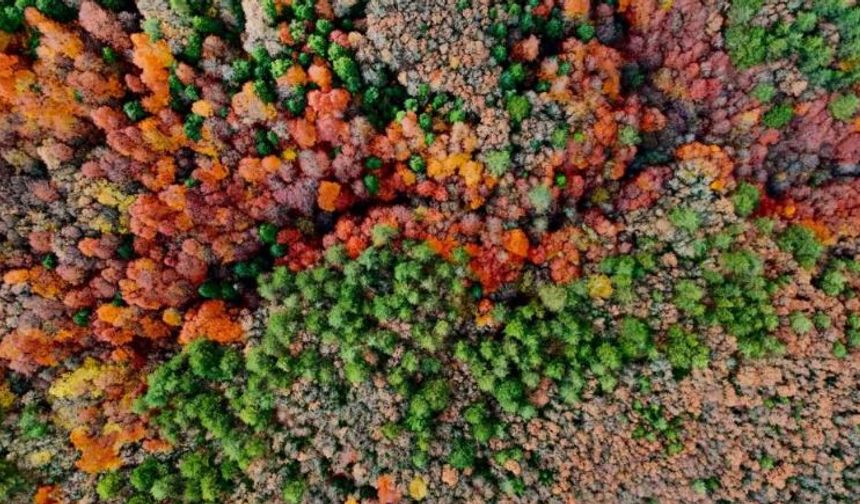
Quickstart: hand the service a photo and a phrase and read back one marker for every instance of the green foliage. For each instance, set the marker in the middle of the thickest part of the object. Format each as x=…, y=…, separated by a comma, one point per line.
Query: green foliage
x=12, y=482
x=559, y=137
x=193, y=126
x=293, y=491
x=498, y=162
x=462, y=454
x=805, y=41
x=56, y=10
x=152, y=28
x=110, y=485
x=635, y=338
x=267, y=232
x=540, y=198
x=747, y=45
x=628, y=135
x=686, y=219
x=821, y=321
x=50, y=261
x=802, y=244
x=706, y=486
x=512, y=77
x=741, y=299
x=688, y=297
x=746, y=199
x=519, y=107
x=833, y=281
x=685, y=351
x=144, y=476
x=763, y=92
x=30, y=423
x=844, y=107
x=778, y=116
x=585, y=32
x=187, y=393
x=654, y=425
x=349, y=304
x=348, y=72
x=554, y=297
x=134, y=110
x=11, y=17
x=81, y=317
x=799, y=322
x=417, y=164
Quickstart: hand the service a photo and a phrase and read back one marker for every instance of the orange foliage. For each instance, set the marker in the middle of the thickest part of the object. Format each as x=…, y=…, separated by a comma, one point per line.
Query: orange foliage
x=577, y=8
x=328, y=193
x=211, y=321
x=56, y=39
x=27, y=348
x=48, y=494
x=250, y=108
x=639, y=12
x=713, y=160
x=101, y=453
x=517, y=243
x=386, y=490
x=154, y=59
x=559, y=250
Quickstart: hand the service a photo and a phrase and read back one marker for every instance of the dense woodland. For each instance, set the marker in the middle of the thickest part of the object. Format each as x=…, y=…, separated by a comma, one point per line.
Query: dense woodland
x=382, y=251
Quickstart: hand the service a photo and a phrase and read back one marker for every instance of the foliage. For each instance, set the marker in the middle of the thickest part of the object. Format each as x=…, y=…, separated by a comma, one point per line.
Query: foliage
x=746, y=199
x=801, y=242
x=778, y=116
x=844, y=107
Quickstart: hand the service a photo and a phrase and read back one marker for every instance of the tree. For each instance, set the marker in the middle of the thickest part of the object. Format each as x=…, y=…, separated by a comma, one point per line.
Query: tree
x=684, y=351
x=519, y=107
x=802, y=244
x=745, y=199
x=634, y=338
